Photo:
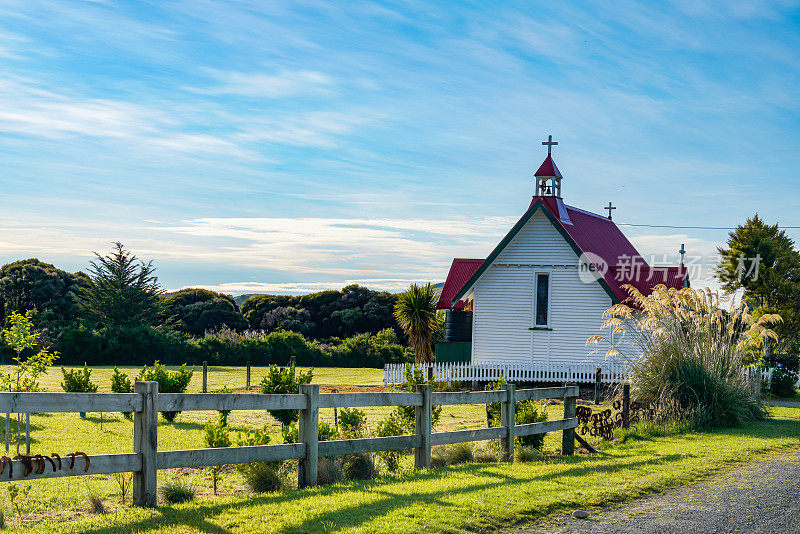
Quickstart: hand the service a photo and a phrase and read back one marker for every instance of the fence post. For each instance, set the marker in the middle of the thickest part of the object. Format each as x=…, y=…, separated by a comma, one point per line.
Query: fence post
x=626, y=405
x=145, y=444
x=308, y=433
x=205, y=377
x=568, y=435
x=247, y=385
x=598, y=377
x=422, y=427
x=508, y=420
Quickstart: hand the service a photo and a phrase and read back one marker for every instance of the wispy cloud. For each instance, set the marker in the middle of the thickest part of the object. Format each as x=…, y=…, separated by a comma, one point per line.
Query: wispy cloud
x=298, y=288
x=262, y=85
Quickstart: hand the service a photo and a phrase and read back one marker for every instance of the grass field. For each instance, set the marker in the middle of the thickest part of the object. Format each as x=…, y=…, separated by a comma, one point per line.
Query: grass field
x=462, y=498
x=483, y=494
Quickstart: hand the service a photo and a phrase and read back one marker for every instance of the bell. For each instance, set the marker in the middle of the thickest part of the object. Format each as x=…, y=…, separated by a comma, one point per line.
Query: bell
x=549, y=191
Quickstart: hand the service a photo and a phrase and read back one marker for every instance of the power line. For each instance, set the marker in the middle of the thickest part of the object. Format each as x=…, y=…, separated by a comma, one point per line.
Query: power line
x=696, y=227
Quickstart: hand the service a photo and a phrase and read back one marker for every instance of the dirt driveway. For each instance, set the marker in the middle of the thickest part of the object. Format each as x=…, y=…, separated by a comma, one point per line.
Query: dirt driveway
x=759, y=497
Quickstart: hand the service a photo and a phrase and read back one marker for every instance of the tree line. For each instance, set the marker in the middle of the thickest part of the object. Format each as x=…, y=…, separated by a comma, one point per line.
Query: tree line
x=117, y=313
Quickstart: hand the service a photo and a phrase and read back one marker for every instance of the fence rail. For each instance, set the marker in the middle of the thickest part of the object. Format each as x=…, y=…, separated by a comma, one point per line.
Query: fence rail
x=610, y=372
x=146, y=402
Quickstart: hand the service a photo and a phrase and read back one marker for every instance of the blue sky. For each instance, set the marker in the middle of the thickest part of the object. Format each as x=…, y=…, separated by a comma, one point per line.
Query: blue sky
x=294, y=146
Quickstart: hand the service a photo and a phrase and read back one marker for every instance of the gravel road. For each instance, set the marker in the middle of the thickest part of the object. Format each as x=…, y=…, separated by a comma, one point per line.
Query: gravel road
x=762, y=496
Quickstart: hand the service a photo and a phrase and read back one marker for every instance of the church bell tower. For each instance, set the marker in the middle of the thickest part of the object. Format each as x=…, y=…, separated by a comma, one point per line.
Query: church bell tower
x=548, y=177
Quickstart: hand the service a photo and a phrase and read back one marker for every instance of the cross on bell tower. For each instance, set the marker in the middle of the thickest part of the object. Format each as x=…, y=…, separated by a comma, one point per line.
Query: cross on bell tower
x=550, y=143
x=548, y=177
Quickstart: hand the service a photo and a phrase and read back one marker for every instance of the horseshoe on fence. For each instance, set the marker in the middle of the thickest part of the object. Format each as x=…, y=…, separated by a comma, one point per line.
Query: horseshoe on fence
x=57, y=457
x=52, y=463
x=39, y=459
x=85, y=457
x=71, y=456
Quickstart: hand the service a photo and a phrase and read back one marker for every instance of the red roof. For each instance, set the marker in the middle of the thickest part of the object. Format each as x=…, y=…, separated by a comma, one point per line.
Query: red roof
x=587, y=233
x=548, y=168
x=461, y=271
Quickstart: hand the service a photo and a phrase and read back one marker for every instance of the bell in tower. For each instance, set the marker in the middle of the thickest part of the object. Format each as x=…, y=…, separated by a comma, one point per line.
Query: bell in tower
x=548, y=177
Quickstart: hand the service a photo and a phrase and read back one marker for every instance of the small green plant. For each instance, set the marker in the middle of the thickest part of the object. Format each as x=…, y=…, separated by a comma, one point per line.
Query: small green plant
x=96, y=504
x=527, y=413
x=121, y=383
x=215, y=436
x=359, y=467
x=21, y=338
x=223, y=414
x=284, y=380
x=168, y=381
x=78, y=380
x=124, y=482
x=393, y=425
x=415, y=377
x=17, y=496
x=176, y=490
x=352, y=421
x=325, y=432
x=256, y=474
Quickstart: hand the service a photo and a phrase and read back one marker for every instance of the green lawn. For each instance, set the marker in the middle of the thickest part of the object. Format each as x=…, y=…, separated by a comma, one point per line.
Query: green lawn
x=464, y=498
x=231, y=377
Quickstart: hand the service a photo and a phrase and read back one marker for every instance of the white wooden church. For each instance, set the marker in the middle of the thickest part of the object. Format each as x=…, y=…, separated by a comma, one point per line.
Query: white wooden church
x=541, y=293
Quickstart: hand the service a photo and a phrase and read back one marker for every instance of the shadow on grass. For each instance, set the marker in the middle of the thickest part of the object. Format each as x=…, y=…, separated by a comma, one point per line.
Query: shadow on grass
x=199, y=515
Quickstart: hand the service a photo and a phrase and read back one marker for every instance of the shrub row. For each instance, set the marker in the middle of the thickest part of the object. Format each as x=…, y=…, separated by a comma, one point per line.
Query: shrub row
x=143, y=345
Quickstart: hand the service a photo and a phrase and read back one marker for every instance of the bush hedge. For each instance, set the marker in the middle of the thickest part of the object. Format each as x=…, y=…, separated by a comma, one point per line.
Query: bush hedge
x=143, y=345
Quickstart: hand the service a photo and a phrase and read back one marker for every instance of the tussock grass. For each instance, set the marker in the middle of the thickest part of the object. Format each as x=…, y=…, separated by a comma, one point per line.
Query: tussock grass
x=176, y=490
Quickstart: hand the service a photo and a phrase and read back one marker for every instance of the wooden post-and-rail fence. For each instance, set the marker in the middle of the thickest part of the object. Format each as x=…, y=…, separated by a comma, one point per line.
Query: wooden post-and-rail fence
x=146, y=402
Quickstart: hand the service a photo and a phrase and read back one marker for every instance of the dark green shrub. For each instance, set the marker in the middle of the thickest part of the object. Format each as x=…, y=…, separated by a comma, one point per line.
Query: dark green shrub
x=78, y=380
x=121, y=383
x=352, y=421
x=367, y=350
x=526, y=413
x=359, y=467
x=130, y=344
x=282, y=380
x=176, y=491
x=168, y=381
x=783, y=382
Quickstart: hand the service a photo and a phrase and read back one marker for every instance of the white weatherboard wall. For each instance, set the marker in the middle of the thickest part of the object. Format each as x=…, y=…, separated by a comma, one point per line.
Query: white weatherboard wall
x=503, y=303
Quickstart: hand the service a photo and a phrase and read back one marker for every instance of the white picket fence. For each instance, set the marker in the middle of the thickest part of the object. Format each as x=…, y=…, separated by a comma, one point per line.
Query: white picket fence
x=577, y=372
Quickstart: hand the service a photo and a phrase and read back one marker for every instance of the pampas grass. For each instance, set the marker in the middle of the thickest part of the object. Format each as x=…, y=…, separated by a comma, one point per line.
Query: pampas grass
x=681, y=346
